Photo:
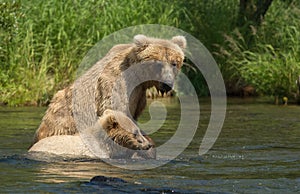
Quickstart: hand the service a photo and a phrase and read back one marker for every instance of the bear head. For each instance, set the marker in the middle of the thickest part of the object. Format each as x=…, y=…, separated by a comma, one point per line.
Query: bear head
x=161, y=59
x=123, y=131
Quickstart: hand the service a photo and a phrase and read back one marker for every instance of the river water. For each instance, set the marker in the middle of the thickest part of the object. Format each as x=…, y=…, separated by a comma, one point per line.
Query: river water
x=258, y=151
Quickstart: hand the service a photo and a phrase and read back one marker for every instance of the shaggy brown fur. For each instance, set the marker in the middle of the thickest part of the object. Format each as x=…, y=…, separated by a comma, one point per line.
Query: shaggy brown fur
x=124, y=132
x=113, y=136
x=96, y=85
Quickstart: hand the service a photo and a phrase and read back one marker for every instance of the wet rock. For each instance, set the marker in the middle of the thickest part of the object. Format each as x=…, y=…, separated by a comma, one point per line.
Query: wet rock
x=104, y=179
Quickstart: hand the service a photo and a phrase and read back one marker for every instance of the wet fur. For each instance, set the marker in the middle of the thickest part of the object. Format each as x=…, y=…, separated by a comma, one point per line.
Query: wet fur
x=59, y=118
x=123, y=131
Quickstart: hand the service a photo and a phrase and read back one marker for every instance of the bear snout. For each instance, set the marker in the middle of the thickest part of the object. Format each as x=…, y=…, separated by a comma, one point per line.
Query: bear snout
x=147, y=146
x=144, y=143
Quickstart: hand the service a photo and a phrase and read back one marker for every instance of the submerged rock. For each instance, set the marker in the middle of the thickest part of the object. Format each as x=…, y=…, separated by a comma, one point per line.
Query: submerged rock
x=104, y=179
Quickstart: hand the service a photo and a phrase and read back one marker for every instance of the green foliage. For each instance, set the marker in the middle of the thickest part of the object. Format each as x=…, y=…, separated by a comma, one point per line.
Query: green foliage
x=43, y=42
x=207, y=21
x=271, y=72
x=272, y=64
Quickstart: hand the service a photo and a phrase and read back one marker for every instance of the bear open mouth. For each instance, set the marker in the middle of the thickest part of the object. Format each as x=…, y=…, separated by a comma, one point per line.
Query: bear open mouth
x=165, y=87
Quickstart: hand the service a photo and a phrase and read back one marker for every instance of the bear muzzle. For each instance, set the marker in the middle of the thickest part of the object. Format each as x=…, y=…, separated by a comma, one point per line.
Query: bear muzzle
x=144, y=143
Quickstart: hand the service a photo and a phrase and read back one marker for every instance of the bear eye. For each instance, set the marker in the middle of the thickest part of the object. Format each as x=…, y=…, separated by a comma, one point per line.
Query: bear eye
x=115, y=124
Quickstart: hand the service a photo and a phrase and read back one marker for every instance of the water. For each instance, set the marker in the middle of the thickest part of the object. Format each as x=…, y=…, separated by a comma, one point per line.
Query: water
x=258, y=151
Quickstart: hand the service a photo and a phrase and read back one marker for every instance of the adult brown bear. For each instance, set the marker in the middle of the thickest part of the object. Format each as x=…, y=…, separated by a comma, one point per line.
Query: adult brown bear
x=104, y=86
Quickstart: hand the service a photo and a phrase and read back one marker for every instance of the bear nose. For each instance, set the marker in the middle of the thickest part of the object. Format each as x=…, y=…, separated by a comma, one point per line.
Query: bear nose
x=148, y=146
x=145, y=145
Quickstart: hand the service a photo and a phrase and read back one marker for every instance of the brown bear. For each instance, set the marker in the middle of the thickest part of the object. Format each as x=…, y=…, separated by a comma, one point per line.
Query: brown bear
x=113, y=83
x=122, y=130
x=112, y=123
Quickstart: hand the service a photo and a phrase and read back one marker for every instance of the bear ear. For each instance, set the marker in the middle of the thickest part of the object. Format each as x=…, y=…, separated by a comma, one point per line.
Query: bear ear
x=141, y=40
x=180, y=41
x=107, y=112
x=108, y=120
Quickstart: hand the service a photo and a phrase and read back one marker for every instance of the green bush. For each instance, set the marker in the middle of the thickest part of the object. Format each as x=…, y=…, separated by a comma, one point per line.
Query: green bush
x=43, y=42
x=271, y=72
x=275, y=66
x=272, y=63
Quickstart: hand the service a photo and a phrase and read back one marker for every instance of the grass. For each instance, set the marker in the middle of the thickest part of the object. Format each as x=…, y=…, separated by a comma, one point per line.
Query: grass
x=43, y=42
x=272, y=64
x=49, y=39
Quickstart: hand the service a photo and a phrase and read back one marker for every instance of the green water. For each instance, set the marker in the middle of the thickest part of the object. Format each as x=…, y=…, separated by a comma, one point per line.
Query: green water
x=258, y=151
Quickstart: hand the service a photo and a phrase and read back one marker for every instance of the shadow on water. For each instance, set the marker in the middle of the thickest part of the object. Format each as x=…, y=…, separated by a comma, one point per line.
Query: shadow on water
x=258, y=151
